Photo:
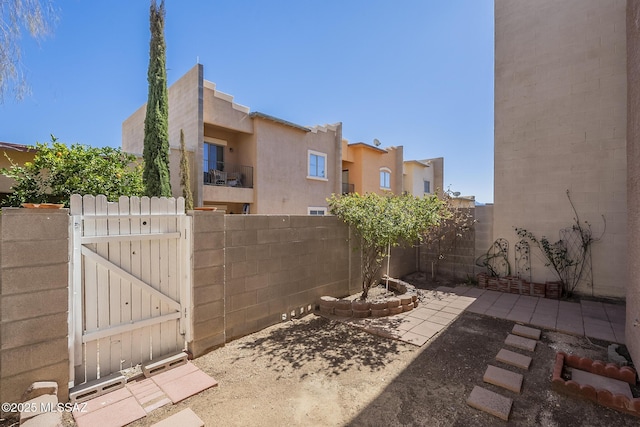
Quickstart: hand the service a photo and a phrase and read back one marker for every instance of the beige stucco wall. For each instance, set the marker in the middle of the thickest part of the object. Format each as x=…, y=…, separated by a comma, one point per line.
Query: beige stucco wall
x=185, y=112
x=560, y=120
x=281, y=167
x=414, y=176
x=416, y=172
x=632, y=327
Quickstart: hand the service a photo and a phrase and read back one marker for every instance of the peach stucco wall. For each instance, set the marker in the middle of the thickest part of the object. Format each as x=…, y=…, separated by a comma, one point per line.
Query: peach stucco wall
x=364, y=163
x=560, y=121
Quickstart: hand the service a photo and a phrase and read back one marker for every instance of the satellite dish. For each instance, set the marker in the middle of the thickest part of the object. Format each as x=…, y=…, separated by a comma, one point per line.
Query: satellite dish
x=376, y=142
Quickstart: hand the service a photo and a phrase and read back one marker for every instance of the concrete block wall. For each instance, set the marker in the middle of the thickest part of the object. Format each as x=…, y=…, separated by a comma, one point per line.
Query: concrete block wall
x=458, y=256
x=34, y=300
x=483, y=230
x=281, y=264
x=208, y=329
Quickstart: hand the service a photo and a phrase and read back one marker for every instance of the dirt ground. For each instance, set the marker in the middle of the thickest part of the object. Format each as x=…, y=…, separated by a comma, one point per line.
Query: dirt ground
x=318, y=372
x=314, y=371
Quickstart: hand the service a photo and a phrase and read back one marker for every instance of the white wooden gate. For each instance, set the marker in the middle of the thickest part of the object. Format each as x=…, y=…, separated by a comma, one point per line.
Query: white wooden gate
x=130, y=283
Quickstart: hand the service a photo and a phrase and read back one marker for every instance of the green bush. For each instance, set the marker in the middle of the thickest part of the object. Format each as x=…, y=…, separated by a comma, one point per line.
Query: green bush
x=58, y=171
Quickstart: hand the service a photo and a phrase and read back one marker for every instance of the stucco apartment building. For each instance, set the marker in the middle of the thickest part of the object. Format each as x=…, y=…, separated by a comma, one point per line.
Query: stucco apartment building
x=242, y=161
x=370, y=169
x=423, y=177
x=567, y=103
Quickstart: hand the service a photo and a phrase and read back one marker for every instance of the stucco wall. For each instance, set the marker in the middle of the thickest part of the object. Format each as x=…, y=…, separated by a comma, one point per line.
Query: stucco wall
x=185, y=112
x=560, y=120
x=364, y=163
x=34, y=295
x=632, y=327
x=281, y=168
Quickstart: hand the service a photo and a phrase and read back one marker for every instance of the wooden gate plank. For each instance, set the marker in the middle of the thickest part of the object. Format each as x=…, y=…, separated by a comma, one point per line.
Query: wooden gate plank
x=166, y=330
x=136, y=292
x=115, y=285
x=90, y=283
x=173, y=266
x=125, y=285
x=104, y=345
x=156, y=334
x=76, y=371
x=145, y=266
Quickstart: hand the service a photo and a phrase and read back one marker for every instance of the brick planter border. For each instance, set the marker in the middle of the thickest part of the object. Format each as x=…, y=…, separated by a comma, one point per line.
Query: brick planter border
x=515, y=285
x=600, y=396
x=407, y=301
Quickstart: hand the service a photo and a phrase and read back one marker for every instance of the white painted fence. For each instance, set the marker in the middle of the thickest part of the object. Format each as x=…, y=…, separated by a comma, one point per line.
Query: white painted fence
x=130, y=283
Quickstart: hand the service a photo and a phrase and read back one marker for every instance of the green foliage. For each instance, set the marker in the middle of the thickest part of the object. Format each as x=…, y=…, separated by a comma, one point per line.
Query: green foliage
x=443, y=239
x=156, y=124
x=58, y=171
x=383, y=221
x=185, y=175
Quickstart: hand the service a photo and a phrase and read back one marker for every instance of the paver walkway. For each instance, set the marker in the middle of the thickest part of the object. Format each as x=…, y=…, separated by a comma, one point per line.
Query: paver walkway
x=142, y=396
x=589, y=318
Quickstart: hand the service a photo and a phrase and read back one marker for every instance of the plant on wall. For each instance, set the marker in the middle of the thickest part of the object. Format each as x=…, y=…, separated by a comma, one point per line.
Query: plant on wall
x=385, y=221
x=569, y=258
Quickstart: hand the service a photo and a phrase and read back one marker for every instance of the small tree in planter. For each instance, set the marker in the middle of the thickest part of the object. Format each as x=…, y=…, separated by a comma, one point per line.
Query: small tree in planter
x=385, y=221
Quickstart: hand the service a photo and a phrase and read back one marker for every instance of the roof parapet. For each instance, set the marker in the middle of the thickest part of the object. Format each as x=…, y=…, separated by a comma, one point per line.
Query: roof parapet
x=225, y=97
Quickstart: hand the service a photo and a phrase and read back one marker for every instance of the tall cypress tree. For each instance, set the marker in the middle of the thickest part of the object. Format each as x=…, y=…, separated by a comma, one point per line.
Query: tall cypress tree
x=156, y=123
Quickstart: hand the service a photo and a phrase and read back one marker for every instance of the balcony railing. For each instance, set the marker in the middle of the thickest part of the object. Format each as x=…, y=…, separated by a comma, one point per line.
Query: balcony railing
x=228, y=175
x=347, y=188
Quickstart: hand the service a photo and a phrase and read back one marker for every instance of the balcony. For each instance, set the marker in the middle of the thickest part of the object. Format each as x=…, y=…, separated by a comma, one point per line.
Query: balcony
x=347, y=188
x=228, y=175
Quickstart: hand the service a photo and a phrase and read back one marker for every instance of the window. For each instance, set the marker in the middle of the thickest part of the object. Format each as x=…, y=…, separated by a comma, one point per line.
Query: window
x=213, y=157
x=427, y=187
x=317, y=211
x=385, y=179
x=317, y=165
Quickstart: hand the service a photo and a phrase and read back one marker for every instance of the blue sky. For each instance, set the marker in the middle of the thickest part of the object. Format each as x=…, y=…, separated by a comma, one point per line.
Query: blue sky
x=416, y=73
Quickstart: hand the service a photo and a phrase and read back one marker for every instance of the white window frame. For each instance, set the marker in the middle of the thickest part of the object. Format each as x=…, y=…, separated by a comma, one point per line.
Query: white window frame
x=319, y=154
x=316, y=209
x=387, y=171
x=426, y=181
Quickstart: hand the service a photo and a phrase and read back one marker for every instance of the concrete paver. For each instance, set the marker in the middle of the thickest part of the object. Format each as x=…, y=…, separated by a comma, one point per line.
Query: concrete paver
x=504, y=378
x=527, y=332
x=514, y=359
x=490, y=402
x=520, y=342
